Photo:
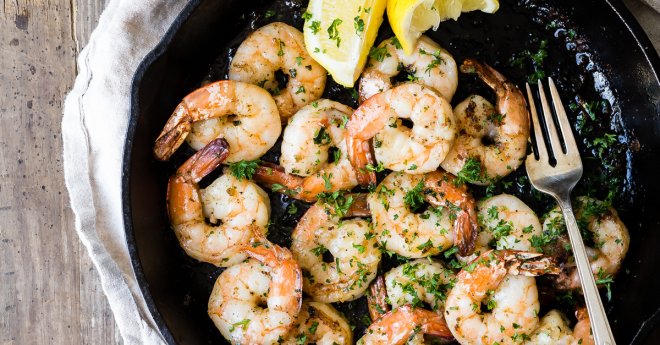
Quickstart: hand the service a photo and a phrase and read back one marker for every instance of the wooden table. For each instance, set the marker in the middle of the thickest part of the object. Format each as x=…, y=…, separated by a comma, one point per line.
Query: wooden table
x=49, y=291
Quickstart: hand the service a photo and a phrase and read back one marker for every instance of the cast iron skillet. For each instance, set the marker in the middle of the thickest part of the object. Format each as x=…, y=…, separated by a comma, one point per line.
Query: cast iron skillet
x=596, y=50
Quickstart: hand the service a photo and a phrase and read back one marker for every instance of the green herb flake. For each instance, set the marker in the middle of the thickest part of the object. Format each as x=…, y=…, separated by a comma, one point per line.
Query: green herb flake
x=244, y=170
x=359, y=25
x=243, y=324
x=333, y=31
x=379, y=54
x=414, y=198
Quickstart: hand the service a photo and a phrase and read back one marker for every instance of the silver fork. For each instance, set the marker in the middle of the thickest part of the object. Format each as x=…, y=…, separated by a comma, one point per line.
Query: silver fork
x=558, y=181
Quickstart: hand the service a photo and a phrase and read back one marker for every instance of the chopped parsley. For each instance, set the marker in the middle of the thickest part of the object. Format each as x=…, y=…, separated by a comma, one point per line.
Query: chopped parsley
x=333, y=32
x=269, y=14
x=607, y=280
x=359, y=247
x=292, y=209
x=437, y=61
x=244, y=170
x=359, y=25
x=243, y=324
x=339, y=203
x=414, y=198
x=322, y=137
x=471, y=172
x=395, y=42
x=379, y=54
x=312, y=328
x=377, y=168
x=319, y=250
x=315, y=26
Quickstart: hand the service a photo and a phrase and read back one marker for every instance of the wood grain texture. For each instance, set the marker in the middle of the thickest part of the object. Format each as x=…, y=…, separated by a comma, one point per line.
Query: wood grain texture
x=49, y=290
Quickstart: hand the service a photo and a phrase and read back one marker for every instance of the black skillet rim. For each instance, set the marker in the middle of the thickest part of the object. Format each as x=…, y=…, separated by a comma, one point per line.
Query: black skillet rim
x=617, y=6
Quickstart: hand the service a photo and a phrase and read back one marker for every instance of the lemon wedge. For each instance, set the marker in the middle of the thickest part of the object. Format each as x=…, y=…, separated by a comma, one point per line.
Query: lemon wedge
x=410, y=18
x=488, y=6
x=339, y=33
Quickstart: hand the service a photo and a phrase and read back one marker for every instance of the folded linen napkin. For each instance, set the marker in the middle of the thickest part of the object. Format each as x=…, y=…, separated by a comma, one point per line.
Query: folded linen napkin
x=94, y=125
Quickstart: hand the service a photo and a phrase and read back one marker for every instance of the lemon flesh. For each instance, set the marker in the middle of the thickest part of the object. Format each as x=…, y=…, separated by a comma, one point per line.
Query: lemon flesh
x=410, y=18
x=339, y=33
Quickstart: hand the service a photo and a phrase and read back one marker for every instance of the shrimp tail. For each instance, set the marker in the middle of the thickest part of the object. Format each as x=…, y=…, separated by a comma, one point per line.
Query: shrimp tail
x=359, y=207
x=204, y=161
x=376, y=299
x=582, y=329
x=400, y=324
x=487, y=271
x=494, y=79
x=529, y=264
x=273, y=175
x=466, y=226
x=175, y=132
x=523, y=263
x=360, y=155
x=466, y=229
x=508, y=94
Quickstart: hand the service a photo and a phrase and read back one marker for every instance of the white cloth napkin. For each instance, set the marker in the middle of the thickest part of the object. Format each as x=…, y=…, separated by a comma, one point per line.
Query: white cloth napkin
x=655, y=4
x=96, y=114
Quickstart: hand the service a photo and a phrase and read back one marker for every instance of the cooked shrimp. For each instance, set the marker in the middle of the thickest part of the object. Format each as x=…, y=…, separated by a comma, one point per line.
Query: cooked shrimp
x=321, y=324
x=235, y=203
x=305, y=169
x=493, y=140
x=506, y=223
x=279, y=47
x=503, y=280
x=415, y=235
x=221, y=244
x=412, y=283
x=419, y=281
x=272, y=278
x=553, y=330
x=429, y=65
x=401, y=324
x=354, y=250
x=243, y=114
x=415, y=150
x=611, y=239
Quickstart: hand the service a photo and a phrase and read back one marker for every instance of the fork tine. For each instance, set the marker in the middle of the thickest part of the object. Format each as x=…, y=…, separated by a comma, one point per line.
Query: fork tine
x=538, y=132
x=564, y=125
x=553, y=137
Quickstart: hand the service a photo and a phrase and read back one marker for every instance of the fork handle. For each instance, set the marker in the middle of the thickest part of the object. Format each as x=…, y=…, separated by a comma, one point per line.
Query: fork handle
x=600, y=327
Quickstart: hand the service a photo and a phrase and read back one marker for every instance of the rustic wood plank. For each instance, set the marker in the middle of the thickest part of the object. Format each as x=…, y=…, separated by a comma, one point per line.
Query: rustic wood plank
x=49, y=291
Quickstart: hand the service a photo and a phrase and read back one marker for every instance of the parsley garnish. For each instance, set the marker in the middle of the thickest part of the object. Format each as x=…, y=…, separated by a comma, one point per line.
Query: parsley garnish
x=333, y=32
x=243, y=324
x=359, y=25
x=319, y=250
x=414, y=198
x=322, y=137
x=315, y=26
x=471, y=172
x=244, y=170
x=379, y=54
x=269, y=13
x=338, y=201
